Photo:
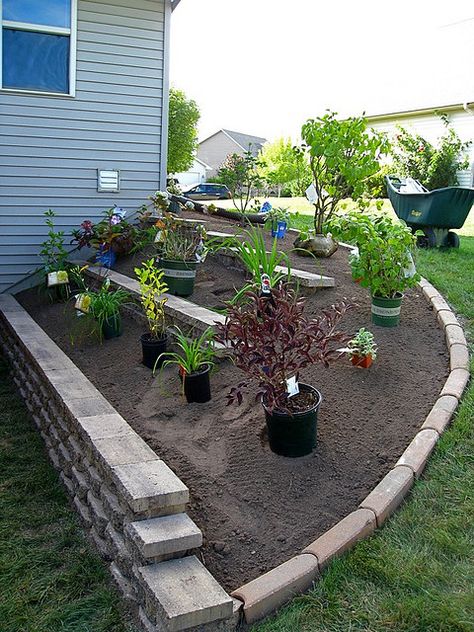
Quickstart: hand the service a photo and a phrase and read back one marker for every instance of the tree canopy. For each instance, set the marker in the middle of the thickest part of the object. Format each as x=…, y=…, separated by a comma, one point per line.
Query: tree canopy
x=182, y=133
x=284, y=166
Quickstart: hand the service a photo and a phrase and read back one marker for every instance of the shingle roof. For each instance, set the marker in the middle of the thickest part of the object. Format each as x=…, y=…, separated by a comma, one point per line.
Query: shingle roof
x=246, y=141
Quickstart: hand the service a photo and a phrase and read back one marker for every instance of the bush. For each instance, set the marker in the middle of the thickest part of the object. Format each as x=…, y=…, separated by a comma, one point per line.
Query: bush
x=434, y=167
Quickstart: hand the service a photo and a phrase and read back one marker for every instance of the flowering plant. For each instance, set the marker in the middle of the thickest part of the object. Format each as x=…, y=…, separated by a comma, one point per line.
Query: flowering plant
x=113, y=232
x=178, y=240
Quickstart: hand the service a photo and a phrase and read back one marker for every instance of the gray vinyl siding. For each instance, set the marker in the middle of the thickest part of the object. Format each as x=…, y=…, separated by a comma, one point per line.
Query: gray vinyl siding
x=51, y=147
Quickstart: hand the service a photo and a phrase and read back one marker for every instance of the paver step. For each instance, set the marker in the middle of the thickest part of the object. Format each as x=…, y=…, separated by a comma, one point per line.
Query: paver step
x=156, y=537
x=182, y=594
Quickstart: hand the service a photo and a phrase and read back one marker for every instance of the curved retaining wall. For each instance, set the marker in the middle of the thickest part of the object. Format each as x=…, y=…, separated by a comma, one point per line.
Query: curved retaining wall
x=125, y=493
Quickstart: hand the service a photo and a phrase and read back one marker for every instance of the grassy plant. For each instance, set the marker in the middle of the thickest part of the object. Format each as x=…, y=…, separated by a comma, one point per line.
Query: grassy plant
x=194, y=354
x=105, y=303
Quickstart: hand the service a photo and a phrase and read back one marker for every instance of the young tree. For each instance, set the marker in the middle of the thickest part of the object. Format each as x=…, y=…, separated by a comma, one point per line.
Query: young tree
x=342, y=154
x=282, y=166
x=240, y=175
x=182, y=133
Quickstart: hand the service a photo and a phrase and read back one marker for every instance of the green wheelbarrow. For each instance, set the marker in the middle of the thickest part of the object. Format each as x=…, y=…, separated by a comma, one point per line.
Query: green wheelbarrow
x=434, y=212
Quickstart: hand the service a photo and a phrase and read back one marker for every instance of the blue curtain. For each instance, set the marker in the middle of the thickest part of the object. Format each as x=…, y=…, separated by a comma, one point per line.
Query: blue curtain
x=35, y=61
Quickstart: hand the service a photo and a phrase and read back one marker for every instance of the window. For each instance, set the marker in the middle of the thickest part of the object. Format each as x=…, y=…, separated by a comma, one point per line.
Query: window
x=38, y=45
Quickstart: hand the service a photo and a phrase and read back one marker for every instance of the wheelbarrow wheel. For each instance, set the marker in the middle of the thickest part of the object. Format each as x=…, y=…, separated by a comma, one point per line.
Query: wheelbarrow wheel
x=428, y=240
x=450, y=240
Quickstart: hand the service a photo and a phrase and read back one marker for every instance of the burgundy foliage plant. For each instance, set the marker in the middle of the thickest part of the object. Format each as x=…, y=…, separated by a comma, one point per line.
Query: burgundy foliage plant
x=271, y=339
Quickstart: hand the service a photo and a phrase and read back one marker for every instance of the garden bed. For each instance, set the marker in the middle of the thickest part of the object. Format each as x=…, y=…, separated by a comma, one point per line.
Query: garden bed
x=257, y=509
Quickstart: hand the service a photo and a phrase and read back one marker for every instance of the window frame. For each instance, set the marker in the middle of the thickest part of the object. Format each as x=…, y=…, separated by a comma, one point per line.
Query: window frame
x=51, y=30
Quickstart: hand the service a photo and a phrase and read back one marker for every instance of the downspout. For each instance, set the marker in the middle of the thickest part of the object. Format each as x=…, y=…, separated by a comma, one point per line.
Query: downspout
x=166, y=96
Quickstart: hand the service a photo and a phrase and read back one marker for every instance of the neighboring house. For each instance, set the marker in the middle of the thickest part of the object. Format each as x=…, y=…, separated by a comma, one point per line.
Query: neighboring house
x=428, y=124
x=84, y=90
x=196, y=174
x=215, y=149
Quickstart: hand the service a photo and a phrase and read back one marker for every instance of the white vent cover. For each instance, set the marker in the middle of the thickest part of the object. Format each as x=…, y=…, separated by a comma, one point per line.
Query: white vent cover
x=108, y=181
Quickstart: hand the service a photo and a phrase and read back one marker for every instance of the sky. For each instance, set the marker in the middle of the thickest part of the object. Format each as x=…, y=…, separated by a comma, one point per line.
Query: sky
x=263, y=67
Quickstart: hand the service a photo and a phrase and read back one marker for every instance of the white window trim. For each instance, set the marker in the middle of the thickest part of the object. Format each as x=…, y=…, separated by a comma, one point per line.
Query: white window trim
x=53, y=30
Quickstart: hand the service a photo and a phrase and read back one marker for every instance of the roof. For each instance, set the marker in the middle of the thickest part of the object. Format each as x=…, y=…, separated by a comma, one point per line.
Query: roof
x=244, y=141
x=419, y=112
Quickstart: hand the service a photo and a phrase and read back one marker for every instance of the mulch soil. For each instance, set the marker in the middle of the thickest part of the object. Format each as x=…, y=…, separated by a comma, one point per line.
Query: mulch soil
x=257, y=509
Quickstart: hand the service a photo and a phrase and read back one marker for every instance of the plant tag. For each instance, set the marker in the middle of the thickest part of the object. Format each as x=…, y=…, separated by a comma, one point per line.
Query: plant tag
x=410, y=270
x=265, y=281
x=83, y=303
x=292, y=387
x=57, y=278
x=158, y=239
x=311, y=194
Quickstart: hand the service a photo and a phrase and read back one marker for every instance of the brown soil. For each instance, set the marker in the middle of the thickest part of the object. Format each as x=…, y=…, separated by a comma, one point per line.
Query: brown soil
x=257, y=509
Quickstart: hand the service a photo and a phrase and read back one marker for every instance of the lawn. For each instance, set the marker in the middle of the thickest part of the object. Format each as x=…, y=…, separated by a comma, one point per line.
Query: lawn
x=415, y=575
x=51, y=580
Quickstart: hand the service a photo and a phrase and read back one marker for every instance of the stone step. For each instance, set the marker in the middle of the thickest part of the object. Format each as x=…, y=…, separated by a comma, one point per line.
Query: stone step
x=181, y=594
x=165, y=536
x=308, y=280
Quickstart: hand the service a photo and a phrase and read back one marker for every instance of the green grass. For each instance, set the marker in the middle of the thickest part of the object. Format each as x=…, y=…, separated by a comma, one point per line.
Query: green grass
x=50, y=578
x=417, y=573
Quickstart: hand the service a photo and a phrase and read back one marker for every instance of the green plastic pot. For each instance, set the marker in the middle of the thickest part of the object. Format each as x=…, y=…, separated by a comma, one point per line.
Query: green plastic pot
x=179, y=276
x=293, y=435
x=112, y=327
x=386, y=311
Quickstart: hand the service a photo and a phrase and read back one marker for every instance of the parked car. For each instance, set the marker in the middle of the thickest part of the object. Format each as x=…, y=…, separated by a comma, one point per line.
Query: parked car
x=208, y=192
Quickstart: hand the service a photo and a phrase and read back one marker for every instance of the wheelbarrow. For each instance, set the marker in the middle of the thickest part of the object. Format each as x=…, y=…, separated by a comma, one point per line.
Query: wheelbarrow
x=434, y=212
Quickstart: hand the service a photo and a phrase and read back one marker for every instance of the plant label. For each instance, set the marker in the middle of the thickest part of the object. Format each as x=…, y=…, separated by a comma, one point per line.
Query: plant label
x=265, y=281
x=292, y=387
x=57, y=278
x=83, y=303
x=158, y=238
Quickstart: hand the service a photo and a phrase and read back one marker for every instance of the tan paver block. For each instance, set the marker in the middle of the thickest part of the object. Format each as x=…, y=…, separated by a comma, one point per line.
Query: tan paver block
x=183, y=594
x=458, y=357
x=8, y=303
x=150, y=486
x=89, y=406
x=165, y=535
x=430, y=291
x=455, y=335
x=103, y=426
x=456, y=383
x=441, y=413
x=438, y=303
x=419, y=450
x=123, y=449
x=384, y=499
x=356, y=526
x=446, y=317
x=271, y=590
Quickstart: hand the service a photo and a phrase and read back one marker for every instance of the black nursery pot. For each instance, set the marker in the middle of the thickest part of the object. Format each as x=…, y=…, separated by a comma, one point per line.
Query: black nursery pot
x=293, y=435
x=152, y=349
x=197, y=386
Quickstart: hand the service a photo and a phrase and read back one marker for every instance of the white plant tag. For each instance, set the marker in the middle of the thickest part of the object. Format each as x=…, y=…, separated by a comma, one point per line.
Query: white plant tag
x=57, y=278
x=410, y=270
x=292, y=387
x=82, y=303
x=265, y=281
x=158, y=237
x=311, y=194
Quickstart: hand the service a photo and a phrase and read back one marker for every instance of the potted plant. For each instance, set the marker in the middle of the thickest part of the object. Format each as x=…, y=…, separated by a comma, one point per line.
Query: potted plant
x=105, y=306
x=180, y=246
x=152, y=289
x=195, y=359
x=111, y=237
x=362, y=349
x=271, y=342
x=342, y=155
x=385, y=263
x=54, y=256
x=279, y=218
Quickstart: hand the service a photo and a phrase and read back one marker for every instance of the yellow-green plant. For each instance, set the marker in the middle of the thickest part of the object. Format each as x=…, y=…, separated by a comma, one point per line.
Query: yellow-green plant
x=152, y=287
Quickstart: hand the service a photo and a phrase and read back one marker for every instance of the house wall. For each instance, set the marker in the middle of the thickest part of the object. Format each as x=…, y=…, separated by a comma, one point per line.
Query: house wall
x=51, y=147
x=430, y=127
x=214, y=150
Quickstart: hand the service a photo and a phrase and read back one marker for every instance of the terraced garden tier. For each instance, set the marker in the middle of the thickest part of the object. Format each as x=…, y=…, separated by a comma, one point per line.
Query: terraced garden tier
x=258, y=509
